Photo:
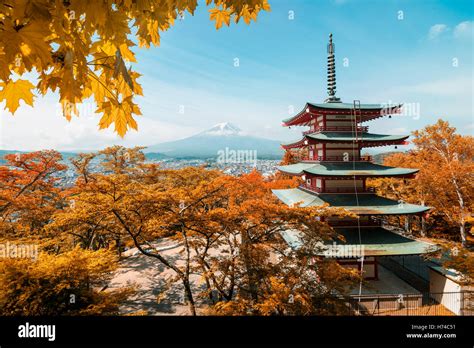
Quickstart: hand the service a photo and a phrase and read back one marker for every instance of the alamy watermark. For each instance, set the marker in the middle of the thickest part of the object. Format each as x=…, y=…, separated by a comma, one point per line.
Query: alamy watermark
x=19, y=251
x=410, y=109
x=343, y=251
x=228, y=156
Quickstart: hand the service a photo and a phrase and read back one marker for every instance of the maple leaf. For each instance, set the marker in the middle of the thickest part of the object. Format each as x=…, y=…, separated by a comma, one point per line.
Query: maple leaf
x=220, y=16
x=13, y=91
x=28, y=41
x=247, y=15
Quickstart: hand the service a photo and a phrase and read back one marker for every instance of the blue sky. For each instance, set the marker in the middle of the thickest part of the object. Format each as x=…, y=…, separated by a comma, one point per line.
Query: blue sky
x=415, y=52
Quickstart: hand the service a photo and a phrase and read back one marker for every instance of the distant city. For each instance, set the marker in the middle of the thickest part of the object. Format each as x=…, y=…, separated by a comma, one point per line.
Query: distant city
x=265, y=166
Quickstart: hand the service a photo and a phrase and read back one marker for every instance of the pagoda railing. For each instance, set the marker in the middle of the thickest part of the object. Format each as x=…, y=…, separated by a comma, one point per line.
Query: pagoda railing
x=336, y=189
x=336, y=129
x=348, y=190
x=337, y=159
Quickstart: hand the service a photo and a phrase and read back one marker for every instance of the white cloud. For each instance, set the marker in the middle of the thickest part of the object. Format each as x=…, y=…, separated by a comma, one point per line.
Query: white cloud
x=436, y=30
x=461, y=30
x=464, y=29
x=458, y=86
x=43, y=128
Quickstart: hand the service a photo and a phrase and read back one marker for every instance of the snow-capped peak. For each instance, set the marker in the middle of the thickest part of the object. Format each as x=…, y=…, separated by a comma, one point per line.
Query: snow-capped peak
x=225, y=128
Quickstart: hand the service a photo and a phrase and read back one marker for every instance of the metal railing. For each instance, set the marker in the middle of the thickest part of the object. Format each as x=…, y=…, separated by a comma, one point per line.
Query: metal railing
x=348, y=190
x=336, y=189
x=336, y=129
x=337, y=158
x=431, y=303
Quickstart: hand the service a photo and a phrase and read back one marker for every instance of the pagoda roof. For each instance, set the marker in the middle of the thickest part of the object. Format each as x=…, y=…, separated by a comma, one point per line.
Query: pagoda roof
x=374, y=241
x=367, y=111
x=363, y=204
x=369, y=139
x=350, y=169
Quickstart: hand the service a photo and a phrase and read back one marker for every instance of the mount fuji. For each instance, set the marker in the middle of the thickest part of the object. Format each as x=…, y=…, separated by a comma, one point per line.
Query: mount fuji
x=208, y=143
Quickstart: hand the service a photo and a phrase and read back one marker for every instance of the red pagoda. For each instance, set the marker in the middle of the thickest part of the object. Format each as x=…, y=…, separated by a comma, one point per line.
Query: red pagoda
x=335, y=172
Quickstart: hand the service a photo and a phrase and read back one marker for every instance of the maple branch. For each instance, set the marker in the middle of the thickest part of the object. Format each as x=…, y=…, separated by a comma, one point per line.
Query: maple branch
x=143, y=251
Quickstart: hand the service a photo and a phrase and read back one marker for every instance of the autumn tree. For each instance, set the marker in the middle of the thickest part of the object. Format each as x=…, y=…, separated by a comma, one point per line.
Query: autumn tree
x=83, y=49
x=289, y=157
x=89, y=228
x=82, y=165
x=29, y=194
x=445, y=180
x=71, y=283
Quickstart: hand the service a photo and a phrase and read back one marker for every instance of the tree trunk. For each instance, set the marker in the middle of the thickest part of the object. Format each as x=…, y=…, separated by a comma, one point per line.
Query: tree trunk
x=187, y=272
x=189, y=296
x=249, y=268
x=462, y=231
x=408, y=224
x=462, y=223
x=423, y=226
x=118, y=245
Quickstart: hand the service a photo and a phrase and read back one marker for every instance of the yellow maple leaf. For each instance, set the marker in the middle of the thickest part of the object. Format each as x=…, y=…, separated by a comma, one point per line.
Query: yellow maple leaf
x=220, y=16
x=30, y=41
x=247, y=15
x=13, y=91
x=265, y=5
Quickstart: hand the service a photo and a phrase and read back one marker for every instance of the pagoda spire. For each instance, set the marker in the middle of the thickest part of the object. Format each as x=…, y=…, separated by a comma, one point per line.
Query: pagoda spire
x=331, y=74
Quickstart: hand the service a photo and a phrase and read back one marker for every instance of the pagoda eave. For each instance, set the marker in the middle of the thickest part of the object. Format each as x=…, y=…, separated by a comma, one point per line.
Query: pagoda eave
x=346, y=169
x=363, y=204
x=367, y=112
x=295, y=145
x=375, y=241
x=358, y=176
x=321, y=138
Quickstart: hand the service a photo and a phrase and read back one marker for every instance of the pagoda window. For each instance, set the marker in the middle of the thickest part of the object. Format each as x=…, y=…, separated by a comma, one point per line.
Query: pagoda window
x=319, y=183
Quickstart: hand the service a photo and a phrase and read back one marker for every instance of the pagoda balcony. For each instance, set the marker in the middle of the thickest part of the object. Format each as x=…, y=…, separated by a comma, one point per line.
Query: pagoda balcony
x=360, y=129
x=336, y=159
x=315, y=189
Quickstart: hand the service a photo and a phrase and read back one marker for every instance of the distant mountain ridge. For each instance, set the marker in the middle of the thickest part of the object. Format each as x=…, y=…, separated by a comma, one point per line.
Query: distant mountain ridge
x=222, y=136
